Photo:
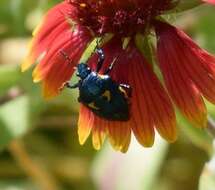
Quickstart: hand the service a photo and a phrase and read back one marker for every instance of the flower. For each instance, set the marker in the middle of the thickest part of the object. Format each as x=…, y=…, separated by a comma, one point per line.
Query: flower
x=209, y=1
x=188, y=71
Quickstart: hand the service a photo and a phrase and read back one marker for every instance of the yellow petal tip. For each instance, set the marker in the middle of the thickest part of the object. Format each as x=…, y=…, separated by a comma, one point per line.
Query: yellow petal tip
x=36, y=80
x=121, y=148
x=37, y=29
x=37, y=77
x=146, y=142
x=96, y=146
x=82, y=139
x=49, y=93
x=26, y=64
x=171, y=138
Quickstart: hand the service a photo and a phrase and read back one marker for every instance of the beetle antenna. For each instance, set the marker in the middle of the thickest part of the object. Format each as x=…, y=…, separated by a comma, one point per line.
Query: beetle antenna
x=112, y=63
x=98, y=40
x=111, y=66
x=65, y=55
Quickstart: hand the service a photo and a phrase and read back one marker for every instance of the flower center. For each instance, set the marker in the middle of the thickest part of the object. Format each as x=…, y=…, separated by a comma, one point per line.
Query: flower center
x=122, y=17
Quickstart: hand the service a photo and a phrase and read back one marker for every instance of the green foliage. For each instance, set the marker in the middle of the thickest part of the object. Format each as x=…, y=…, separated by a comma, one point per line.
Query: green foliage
x=9, y=76
x=15, y=12
x=184, y=5
x=14, y=120
x=199, y=137
x=207, y=179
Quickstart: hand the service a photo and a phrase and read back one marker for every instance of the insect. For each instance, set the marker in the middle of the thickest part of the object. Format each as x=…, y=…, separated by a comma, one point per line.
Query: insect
x=99, y=92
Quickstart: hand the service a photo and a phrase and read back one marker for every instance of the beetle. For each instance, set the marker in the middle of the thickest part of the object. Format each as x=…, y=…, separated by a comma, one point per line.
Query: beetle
x=102, y=95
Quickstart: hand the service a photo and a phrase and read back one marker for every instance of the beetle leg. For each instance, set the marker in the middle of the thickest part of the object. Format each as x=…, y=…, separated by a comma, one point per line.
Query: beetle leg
x=69, y=85
x=93, y=106
x=125, y=86
x=101, y=59
x=126, y=89
x=110, y=67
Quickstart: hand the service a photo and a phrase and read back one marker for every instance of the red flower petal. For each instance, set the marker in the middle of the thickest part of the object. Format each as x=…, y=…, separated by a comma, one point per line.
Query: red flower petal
x=119, y=133
x=53, y=37
x=54, y=23
x=210, y=1
x=187, y=69
x=85, y=124
x=140, y=121
x=99, y=131
x=151, y=105
x=55, y=69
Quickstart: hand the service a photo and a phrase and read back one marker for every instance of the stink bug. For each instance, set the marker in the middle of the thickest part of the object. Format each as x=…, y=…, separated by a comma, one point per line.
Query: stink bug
x=99, y=92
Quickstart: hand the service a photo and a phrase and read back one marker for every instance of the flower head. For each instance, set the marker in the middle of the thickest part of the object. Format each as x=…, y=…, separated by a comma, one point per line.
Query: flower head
x=188, y=71
x=123, y=18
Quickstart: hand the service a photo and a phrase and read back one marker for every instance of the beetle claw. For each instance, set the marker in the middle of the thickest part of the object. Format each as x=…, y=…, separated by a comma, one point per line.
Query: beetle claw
x=63, y=86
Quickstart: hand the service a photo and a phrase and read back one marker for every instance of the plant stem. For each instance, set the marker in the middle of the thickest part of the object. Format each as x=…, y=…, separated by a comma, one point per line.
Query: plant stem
x=35, y=171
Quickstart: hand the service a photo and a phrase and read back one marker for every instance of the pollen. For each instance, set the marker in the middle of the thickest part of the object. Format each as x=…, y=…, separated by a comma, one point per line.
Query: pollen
x=83, y=5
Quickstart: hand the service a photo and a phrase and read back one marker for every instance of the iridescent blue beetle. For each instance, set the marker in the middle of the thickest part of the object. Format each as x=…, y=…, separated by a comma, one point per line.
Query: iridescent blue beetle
x=100, y=93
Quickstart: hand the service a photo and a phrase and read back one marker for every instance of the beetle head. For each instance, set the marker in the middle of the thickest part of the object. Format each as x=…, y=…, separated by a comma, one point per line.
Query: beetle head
x=83, y=70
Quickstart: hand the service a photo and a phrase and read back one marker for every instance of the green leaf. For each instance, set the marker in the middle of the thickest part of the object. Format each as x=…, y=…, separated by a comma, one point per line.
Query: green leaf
x=145, y=45
x=199, y=137
x=9, y=76
x=184, y=5
x=13, y=120
x=207, y=179
x=90, y=49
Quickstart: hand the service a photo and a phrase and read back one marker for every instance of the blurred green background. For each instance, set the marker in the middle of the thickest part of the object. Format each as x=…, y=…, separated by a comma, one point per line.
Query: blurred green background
x=39, y=147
